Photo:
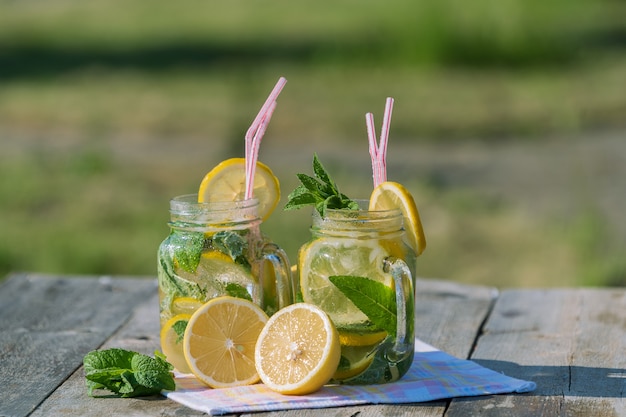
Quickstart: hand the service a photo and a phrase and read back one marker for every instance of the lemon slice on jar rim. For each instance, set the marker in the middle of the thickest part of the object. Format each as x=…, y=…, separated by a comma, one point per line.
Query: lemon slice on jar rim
x=389, y=195
x=227, y=182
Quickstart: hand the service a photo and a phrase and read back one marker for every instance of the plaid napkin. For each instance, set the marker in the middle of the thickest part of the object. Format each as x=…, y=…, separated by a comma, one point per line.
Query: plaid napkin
x=434, y=375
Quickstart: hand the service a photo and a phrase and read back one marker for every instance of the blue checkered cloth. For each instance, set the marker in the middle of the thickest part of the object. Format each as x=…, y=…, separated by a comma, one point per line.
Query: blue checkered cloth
x=434, y=375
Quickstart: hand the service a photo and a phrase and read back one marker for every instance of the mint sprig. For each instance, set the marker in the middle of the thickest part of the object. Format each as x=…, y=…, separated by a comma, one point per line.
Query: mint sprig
x=127, y=373
x=320, y=191
x=376, y=300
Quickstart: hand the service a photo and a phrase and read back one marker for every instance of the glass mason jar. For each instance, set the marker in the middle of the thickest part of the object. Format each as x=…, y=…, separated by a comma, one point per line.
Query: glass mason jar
x=359, y=269
x=217, y=249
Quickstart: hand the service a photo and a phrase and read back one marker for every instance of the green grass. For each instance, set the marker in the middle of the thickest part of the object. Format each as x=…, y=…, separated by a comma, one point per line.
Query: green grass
x=89, y=213
x=91, y=93
x=496, y=69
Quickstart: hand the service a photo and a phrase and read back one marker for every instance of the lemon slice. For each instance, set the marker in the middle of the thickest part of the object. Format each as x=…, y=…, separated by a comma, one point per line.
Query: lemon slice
x=326, y=257
x=298, y=350
x=172, y=342
x=185, y=305
x=227, y=182
x=353, y=363
x=219, y=342
x=361, y=338
x=389, y=195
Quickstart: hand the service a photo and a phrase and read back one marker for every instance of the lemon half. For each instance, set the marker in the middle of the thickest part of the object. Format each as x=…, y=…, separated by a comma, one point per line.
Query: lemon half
x=298, y=350
x=220, y=339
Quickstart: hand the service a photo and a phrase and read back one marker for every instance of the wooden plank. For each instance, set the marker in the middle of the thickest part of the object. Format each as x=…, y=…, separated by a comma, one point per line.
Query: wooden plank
x=47, y=325
x=140, y=334
x=449, y=315
x=571, y=342
x=443, y=308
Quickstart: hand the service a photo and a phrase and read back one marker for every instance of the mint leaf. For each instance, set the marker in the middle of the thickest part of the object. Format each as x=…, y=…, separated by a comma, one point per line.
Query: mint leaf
x=152, y=373
x=321, y=192
x=312, y=185
x=172, y=285
x=374, y=299
x=233, y=245
x=300, y=197
x=187, y=249
x=179, y=328
x=238, y=291
x=127, y=373
x=322, y=174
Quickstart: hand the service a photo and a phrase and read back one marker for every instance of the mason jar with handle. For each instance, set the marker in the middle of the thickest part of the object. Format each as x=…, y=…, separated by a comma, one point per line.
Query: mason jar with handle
x=359, y=268
x=216, y=249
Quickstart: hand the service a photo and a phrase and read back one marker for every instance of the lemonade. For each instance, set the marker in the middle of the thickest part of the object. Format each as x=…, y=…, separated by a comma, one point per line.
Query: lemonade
x=216, y=249
x=359, y=269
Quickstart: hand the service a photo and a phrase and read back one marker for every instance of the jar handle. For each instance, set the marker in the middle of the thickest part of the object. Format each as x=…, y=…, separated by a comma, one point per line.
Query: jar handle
x=403, y=285
x=281, y=280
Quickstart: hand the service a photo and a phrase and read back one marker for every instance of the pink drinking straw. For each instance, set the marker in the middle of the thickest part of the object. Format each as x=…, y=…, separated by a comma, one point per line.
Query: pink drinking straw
x=255, y=134
x=253, y=151
x=378, y=153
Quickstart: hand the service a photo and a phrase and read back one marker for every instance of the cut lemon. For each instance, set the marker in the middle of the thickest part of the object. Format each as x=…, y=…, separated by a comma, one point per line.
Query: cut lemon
x=219, y=342
x=356, y=338
x=298, y=350
x=358, y=346
x=185, y=305
x=172, y=342
x=227, y=182
x=389, y=195
x=353, y=363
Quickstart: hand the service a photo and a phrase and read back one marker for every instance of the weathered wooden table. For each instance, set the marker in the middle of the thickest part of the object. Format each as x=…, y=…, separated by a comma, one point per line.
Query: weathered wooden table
x=571, y=342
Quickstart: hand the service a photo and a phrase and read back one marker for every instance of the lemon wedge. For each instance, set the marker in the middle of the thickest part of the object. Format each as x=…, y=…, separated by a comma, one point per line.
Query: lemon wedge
x=389, y=195
x=227, y=182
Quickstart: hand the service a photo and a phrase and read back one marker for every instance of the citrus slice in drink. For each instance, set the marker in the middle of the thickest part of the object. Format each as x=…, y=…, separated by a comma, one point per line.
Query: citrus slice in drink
x=227, y=182
x=353, y=362
x=326, y=257
x=361, y=338
x=389, y=195
x=172, y=341
x=298, y=350
x=220, y=339
x=185, y=305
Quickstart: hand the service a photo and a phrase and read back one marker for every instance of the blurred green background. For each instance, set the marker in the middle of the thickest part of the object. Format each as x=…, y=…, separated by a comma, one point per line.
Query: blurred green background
x=508, y=125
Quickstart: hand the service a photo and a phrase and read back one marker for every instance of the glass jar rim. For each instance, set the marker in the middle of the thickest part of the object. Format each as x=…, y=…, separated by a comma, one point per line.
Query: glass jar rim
x=186, y=212
x=361, y=220
x=362, y=211
x=187, y=203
